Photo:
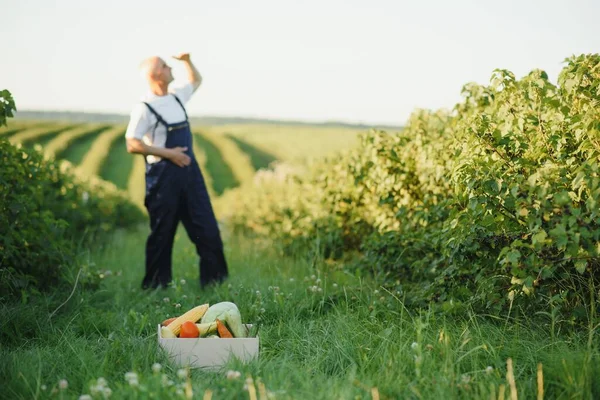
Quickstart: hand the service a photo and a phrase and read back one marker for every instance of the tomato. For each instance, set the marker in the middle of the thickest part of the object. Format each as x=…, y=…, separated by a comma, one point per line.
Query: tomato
x=168, y=321
x=189, y=330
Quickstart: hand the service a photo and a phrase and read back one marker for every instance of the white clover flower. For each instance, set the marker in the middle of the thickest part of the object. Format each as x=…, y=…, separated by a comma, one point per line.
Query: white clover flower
x=489, y=369
x=375, y=291
x=182, y=281
x=292, y=279
x=233, y=374
x=414, y=345
x=318, y=281
x=335, y=285
x=166, y=300
x=43, y=387
x=182, y=373
x=107, y=392
x=313, y=277
x=179, y=392
x=134, y=382
x=156, y=367
x=184, y=296
x=63, y=384
x=258, y=292
x=85, y=397
x=262, y=310
x=177, y=305
x=101, y=382
x=130, y=375
x=319, y=289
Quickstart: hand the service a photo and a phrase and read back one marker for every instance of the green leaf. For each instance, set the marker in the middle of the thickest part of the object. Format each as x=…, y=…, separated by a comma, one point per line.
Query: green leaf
x=581, y=265
x=562, y=198
x=559, y=234
x=513, y=257
x=538, y=239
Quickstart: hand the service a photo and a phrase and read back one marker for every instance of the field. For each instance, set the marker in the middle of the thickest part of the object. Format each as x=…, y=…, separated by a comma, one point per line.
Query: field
x=228, y=155
x=328, y=331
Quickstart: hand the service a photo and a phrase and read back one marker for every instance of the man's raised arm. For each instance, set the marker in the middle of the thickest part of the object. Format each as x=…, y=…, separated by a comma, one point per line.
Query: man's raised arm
x=193, y=75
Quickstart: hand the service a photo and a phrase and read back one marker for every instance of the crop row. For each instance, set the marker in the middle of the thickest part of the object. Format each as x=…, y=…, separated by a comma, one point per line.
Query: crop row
x=223, y=163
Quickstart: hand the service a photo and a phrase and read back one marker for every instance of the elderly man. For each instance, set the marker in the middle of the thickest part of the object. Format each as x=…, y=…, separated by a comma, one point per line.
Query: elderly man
x=175, y=189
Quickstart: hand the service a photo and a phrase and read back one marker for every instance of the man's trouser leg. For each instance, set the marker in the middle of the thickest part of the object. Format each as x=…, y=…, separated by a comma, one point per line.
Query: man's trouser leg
x=162, y=204
x=200, y=223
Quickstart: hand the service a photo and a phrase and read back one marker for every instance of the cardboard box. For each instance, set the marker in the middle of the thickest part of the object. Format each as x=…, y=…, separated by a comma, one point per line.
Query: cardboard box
x=208, y=353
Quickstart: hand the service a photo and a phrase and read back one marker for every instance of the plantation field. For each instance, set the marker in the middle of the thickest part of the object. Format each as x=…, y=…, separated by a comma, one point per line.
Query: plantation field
x=297, y=144
x=229, y=155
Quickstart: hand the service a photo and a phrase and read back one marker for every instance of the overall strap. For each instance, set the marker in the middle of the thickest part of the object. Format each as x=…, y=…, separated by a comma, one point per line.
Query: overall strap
x=176, y=98
x=157, y=115
x=159, y=119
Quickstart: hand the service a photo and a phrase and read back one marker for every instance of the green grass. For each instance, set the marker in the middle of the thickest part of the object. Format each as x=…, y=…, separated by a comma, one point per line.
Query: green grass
x=297, y=144
x=6, y=132
x=43, y=140
x=118, y=164
x=260, y=159
x=324, y=334
x=221, y=173
x=77, y=150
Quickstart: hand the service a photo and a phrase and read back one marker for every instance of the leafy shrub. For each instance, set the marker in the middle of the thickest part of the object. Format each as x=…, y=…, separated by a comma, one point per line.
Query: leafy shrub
x=45, y=209
x=494, y=204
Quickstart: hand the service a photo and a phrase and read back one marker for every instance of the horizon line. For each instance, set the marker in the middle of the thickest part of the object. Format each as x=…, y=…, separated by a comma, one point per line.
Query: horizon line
x=218, y=116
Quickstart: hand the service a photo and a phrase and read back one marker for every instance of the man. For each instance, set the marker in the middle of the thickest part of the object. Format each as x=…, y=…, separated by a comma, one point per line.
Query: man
x=175, y=189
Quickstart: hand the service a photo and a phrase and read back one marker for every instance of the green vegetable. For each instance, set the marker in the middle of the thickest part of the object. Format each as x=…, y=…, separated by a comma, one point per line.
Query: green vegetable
x=229, y=313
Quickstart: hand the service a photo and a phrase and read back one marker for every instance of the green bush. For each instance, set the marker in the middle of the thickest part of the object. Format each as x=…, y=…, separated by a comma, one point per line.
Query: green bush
x=46, y=210
x=494, y=204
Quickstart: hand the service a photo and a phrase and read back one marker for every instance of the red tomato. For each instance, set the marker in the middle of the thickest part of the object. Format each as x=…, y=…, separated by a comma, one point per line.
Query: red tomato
x=189, y=330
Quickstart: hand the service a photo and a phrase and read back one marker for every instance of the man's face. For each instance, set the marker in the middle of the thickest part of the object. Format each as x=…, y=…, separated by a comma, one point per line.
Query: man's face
x=164, y=71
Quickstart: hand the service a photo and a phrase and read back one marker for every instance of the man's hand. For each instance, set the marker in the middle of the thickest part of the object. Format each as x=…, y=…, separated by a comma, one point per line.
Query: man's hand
x=182, y=57
x=178, y=157
x=193, y=75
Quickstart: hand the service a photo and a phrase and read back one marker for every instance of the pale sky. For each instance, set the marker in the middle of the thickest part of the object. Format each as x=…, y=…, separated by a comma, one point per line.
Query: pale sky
x=354, y=61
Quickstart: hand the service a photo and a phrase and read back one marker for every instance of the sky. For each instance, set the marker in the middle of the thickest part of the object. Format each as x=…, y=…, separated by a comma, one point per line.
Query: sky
x=371, y=62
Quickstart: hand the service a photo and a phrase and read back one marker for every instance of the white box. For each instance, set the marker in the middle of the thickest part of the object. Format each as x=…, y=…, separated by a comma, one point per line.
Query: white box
x=208, y=353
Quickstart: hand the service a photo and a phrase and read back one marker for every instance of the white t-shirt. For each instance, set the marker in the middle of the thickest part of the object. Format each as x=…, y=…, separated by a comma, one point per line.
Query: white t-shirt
x=142, y=121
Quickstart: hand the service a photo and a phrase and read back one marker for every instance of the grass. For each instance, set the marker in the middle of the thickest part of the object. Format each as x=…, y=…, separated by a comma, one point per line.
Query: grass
x=44, y=140
x=78, y=149
x=296, y=144
x=220, y=173
x=324, y=334
x=260, y=159
x=117, y=166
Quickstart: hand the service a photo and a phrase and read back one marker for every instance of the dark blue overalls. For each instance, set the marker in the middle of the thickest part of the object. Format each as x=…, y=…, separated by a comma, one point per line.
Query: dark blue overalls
x=176, y=194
